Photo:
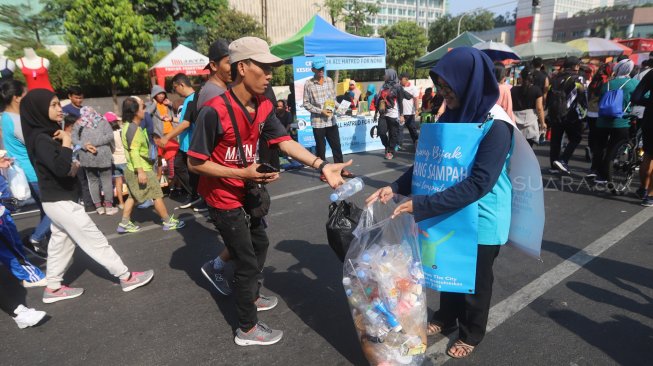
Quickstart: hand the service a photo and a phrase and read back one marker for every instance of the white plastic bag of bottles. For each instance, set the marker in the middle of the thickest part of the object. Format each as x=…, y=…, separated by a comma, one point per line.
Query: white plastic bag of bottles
x=383, y=281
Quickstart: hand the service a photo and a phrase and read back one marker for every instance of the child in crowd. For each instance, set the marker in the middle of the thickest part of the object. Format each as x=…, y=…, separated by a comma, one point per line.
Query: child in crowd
x=119, y=159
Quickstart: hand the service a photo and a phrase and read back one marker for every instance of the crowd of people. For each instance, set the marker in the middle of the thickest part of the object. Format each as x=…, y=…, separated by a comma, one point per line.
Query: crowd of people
x=217, y=149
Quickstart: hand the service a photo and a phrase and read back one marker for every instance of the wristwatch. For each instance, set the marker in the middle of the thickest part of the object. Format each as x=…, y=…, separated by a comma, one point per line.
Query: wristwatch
x=324, y=163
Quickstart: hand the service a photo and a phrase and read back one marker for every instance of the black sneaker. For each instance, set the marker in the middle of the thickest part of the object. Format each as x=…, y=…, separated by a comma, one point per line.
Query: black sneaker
x=201, y=207
x=562, y=166
x=192, y=201
x=35, y=248
x=217, y=278
x=641, y=193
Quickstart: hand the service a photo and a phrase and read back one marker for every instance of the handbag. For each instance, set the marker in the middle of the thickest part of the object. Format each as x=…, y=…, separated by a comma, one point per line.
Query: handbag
x=257, y=198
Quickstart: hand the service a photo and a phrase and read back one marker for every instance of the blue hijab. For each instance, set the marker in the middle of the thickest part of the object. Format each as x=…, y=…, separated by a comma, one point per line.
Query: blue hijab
x=470, y=73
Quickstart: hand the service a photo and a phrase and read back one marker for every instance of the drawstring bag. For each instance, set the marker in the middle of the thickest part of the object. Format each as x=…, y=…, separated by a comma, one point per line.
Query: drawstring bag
x=384, y=282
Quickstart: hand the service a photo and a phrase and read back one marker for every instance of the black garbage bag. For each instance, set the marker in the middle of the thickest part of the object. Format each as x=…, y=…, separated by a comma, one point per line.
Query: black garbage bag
x=343, y=219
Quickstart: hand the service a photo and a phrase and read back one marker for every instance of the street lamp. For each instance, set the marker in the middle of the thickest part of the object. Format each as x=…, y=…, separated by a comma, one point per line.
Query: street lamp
x=459, y=21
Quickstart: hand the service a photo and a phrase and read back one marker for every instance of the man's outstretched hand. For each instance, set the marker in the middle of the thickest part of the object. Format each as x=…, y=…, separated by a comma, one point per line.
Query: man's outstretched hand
x=332, y=173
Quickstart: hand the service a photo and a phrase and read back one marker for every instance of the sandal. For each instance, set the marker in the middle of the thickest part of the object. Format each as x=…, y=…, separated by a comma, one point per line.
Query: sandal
x=459, y=344
x=433, y=328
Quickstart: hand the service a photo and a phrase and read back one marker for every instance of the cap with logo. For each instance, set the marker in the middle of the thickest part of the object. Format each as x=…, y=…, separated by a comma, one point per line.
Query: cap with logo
x=252, y=48
x=217, y=51
x=319, y=63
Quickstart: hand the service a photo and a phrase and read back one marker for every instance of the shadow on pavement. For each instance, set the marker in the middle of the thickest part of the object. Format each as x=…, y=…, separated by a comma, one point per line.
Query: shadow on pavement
x=312, y=288
x=201, y=245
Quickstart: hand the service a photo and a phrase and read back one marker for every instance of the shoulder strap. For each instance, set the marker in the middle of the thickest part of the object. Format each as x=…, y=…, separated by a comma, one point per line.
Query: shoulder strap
x=129, y=135
x=232, y=117
x=624, y=84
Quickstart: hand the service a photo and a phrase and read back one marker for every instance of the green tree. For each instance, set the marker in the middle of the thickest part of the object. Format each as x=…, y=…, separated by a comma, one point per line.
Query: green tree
x=336, y=10
x=161, y=15
x=26, y=26
x=356, y=16
x=405, y=41
x=605, y=27
x=231, y=25
x=109, y=41
x=445, y=28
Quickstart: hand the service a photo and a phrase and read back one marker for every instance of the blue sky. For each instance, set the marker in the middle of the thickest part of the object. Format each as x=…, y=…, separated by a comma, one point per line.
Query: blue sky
x=460, y=6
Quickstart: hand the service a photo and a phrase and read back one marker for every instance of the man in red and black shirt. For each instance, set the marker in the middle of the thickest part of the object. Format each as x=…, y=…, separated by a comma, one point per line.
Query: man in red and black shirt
x=213, y=155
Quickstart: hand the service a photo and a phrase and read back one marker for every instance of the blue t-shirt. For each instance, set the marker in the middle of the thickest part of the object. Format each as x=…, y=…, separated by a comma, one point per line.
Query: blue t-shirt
x=186, y=114
x=70, y=109
x=12, y=138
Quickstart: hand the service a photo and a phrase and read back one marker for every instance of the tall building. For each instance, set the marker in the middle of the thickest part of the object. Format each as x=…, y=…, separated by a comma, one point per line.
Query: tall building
x=282, y=18
x=536, y=23
x=424, y=12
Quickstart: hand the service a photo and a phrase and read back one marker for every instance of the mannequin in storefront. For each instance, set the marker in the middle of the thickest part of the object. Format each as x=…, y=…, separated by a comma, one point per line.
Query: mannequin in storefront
x=35, y=70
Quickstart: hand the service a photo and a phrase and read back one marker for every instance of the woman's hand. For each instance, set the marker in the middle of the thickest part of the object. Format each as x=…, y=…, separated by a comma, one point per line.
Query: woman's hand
x=250, y=173
x=385, y=194
x=64, y=137
x=90, y=148
x=406, y=207
x=5, y=162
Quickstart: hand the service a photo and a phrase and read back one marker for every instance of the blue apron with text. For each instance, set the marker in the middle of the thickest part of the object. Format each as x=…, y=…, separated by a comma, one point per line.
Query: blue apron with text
x=444, y=157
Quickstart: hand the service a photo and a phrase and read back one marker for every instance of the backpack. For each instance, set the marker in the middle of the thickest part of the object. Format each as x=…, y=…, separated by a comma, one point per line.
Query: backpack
x=385, y=101
x=557, y=98
x=612, y=102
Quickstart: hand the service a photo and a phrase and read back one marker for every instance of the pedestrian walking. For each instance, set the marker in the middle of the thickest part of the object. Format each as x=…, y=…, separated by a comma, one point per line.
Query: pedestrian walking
x=50, y=151
x=528, y=107
x=139, y=175
x=390, y=111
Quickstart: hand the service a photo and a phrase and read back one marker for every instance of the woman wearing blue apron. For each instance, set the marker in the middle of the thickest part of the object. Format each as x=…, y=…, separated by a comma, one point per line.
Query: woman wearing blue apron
x=465, y=78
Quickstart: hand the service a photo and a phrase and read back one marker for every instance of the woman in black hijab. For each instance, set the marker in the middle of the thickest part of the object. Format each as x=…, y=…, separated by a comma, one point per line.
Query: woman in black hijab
x=51, y=152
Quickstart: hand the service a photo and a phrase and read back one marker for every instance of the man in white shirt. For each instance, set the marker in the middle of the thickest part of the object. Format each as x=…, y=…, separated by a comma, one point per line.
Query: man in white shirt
x=410, y=109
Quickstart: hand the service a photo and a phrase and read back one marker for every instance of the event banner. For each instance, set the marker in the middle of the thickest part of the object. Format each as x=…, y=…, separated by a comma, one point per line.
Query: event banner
x=357, y=133
x=444, y=157
x=355, y=63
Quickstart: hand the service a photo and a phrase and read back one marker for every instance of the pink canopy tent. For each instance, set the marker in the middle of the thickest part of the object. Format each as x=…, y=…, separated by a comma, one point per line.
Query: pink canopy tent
x=181, y=59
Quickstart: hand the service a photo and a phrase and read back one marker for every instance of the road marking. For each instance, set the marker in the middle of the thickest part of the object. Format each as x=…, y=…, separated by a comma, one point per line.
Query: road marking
x=273, y=198
x=505, y=309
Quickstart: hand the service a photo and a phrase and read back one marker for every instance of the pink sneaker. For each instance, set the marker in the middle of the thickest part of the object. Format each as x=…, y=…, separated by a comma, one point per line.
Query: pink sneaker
x=62, y=293
x=136, y=280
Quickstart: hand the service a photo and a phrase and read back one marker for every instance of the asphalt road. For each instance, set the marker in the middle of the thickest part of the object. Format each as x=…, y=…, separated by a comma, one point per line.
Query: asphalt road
x=587, y=302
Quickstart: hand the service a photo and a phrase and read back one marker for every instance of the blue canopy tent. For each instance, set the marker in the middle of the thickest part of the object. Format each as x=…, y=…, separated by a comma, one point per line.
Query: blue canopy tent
x=342, y=51
x=319, y=37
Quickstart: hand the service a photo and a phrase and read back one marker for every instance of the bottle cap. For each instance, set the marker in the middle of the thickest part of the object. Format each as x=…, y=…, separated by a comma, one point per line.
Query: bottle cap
x=334, y=197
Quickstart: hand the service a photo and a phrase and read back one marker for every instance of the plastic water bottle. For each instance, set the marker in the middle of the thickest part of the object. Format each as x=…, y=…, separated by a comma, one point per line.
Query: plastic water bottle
x=347, y=190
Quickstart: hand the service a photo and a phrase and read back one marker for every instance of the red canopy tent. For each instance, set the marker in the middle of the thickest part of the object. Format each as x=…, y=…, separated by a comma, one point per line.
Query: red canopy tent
x=181, y=59
x=638, y=44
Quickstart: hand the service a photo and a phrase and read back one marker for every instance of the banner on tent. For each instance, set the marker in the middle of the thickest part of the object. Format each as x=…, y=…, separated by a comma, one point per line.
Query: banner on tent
x=355, y=63
x=357, y=133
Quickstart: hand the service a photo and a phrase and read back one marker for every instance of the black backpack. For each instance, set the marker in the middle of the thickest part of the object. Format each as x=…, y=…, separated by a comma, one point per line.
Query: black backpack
x=557, y=96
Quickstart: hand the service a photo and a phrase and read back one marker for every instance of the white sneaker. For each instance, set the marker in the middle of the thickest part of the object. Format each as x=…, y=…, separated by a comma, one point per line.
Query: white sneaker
x=100, y=211
x=40, y=283
x=26, y=317
x=110, y=211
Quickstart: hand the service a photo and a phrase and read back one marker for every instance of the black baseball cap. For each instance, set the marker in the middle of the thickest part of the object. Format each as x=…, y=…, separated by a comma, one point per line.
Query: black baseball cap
x=217, y=51
x=571, y=61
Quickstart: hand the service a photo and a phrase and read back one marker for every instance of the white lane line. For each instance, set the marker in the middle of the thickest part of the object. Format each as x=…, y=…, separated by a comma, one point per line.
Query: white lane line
x=505, y=309
x=279, y=196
